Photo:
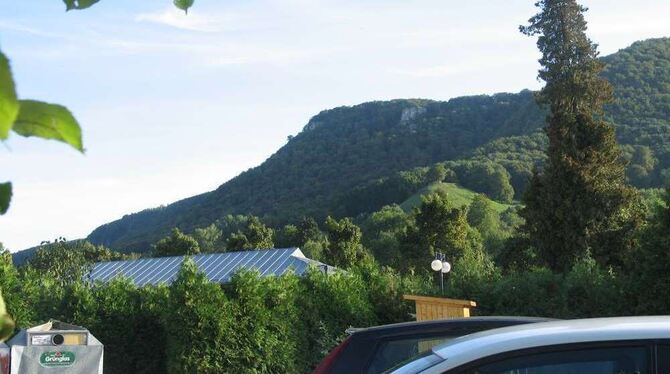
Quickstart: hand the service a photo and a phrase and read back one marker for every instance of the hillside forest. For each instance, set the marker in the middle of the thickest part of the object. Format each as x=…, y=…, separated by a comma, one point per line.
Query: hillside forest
x=353, y=161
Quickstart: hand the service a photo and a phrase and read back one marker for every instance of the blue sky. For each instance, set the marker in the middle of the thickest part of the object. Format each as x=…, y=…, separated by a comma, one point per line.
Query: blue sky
x=174, y=105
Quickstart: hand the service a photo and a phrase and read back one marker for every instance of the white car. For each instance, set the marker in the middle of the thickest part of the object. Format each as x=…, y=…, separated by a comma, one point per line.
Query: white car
x=620, y=345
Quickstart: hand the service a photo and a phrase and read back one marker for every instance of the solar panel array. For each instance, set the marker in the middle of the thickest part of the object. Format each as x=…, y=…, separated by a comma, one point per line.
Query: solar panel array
x=218, y=267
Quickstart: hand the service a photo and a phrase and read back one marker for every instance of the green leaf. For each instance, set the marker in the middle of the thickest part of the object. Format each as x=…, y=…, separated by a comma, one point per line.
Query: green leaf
x=48, y=121
x=5, y=196
x=184, y=4
x=9, y=105
x=78, y=4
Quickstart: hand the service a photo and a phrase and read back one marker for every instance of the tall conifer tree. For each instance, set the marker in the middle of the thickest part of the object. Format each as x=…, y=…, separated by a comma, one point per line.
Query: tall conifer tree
x=580, y=201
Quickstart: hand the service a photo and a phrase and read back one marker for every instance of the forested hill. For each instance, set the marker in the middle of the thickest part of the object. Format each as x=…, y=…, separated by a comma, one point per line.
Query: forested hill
x=349, y=149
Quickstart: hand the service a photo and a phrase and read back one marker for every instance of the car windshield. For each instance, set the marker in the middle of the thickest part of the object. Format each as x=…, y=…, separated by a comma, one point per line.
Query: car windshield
x=416, y=364
x=390, y=353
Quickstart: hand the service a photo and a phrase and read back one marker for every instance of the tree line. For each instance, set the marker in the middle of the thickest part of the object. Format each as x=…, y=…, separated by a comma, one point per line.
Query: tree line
x=289, y=323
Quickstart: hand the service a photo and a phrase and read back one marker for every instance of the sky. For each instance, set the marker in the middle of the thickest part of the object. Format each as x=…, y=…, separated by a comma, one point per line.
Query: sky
x=173, y=105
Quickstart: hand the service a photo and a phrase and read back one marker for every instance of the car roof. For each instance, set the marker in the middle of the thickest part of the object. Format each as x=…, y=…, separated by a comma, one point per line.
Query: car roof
x=469, y=321
x=488, y=343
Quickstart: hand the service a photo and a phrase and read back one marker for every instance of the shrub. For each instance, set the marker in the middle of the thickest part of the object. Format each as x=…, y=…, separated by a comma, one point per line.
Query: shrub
x=591, y=291
x=195, y=324
x=533, y=293
x=331, y=304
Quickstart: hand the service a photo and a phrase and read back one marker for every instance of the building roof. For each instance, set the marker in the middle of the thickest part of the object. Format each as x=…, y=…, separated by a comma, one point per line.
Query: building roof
x=218, y=267
x=488, y=343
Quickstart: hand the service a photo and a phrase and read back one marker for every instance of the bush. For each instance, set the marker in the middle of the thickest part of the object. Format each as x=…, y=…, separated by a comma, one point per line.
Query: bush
x=195, y=323
x=591, y=291
x=472, y=275
x=265, y=325
x=329, y=304
x=124, y=318
x=533, y=293
x=287, y=324
x=385, y=292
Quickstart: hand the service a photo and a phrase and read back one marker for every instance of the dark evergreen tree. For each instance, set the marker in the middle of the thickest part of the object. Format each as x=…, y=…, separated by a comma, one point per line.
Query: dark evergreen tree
x=580, y=202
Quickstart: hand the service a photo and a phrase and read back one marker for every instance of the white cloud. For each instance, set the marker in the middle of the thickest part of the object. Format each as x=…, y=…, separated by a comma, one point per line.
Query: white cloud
x=20, y=28
x=193, y=22
x=476, y=64
x=434, y=71
x=220, y=53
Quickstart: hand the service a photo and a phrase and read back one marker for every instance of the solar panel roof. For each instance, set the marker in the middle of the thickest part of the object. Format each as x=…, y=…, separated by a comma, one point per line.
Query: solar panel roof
x=218, y=267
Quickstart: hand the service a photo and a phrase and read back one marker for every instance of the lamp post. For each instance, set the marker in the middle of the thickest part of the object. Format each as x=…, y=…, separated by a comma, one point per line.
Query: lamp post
x=441, y=265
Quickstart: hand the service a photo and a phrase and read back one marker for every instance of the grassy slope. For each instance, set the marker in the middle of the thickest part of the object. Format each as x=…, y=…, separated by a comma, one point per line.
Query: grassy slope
x=458, y=196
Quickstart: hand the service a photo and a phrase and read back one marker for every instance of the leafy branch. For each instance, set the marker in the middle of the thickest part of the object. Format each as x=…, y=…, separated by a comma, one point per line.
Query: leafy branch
x=31, y=118
x=39, y=119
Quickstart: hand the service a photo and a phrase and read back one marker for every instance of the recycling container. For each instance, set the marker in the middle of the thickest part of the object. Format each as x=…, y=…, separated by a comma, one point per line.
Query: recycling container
x=55, y=347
